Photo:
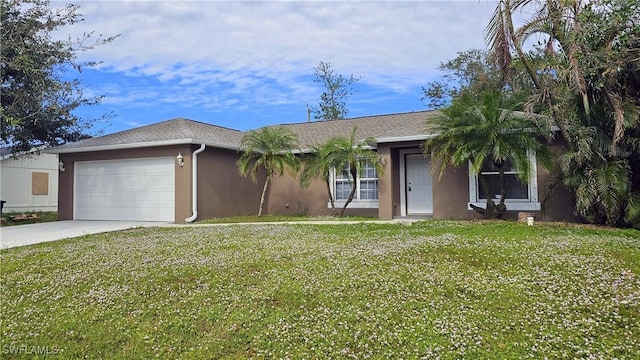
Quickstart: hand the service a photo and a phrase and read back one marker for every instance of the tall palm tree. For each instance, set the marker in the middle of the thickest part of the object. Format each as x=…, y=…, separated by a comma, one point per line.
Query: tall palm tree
x=472, y=132
x=551, y=19
x=345, y=155
x=271, y=149
x=586, y=81
x=501, y=37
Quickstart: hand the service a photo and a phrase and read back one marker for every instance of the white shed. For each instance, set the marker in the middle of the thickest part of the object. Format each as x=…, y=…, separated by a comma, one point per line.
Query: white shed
x=28, y=181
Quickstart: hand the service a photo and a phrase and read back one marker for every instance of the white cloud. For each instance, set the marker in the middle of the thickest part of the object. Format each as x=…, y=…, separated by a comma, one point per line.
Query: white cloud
x=276, y=36
x=209, y=53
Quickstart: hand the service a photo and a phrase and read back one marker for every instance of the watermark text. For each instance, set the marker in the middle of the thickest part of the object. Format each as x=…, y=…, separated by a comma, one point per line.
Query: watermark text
x=30, y=350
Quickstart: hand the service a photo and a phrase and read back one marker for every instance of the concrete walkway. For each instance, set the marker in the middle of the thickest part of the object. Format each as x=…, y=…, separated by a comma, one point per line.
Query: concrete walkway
x=22, y=235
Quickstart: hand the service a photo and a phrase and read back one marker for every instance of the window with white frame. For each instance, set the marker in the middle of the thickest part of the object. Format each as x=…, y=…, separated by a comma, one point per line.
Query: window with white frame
x=342, y=184
x=366, y=185
x=516, y=189
x=519, y=195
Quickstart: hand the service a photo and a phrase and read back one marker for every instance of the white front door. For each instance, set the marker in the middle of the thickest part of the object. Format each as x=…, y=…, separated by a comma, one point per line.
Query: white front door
x=418, y=185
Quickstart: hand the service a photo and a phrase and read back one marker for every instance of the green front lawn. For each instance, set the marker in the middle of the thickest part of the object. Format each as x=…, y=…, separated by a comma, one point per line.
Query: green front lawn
x=436, y=289
x=281, y=218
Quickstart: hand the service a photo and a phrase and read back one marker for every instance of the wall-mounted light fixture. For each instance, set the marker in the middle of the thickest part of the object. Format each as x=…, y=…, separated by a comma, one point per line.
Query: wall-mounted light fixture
x=61, y=166
x=180, y=160
x=382, y=160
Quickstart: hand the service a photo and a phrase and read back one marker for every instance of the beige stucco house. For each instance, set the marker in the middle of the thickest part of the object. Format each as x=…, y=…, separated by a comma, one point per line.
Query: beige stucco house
x=182, y=170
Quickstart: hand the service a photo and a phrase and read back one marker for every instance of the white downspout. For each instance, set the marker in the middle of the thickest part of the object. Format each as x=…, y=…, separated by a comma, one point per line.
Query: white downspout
x=194, y=185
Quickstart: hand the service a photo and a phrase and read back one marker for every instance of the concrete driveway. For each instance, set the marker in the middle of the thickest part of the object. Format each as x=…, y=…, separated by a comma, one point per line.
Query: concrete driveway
x=21, y=235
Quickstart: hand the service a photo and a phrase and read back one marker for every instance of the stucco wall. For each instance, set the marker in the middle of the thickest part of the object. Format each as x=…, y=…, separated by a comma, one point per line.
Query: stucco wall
x=386, y=184
x=222, y=191
x=451, y=195
x=557, y=202
x=287, y=197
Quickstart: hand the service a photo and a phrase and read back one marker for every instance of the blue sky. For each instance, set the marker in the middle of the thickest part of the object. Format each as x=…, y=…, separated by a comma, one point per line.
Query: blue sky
x=244, y=65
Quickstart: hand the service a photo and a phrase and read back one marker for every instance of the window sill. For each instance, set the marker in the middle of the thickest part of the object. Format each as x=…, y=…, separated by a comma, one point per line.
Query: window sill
x=511, y=205
x=356, y=204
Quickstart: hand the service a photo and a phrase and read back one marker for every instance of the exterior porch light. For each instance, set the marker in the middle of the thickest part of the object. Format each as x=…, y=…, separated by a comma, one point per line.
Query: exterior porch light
x=61, y=166
x=180, y=160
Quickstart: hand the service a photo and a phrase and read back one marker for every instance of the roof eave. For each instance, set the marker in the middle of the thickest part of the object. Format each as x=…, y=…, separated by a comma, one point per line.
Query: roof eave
x=407, y=138
x=381, y=140
x=141, y=145
x=41, y=148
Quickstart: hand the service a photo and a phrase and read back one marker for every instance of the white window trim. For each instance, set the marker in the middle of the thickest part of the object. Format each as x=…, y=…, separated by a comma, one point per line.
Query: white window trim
x=532, y=204
x=356, y=203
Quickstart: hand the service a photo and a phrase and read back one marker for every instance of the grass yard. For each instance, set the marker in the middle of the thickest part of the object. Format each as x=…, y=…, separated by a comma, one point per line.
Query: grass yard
x=436, y=289
x=283, y=218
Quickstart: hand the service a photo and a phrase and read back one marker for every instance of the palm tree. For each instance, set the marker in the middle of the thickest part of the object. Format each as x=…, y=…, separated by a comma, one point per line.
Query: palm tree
x=345, y=155
x=472, y=132
x=270, y=148
x=318, y=164
x=556, y=20
x=501, y=37
x=586, y=81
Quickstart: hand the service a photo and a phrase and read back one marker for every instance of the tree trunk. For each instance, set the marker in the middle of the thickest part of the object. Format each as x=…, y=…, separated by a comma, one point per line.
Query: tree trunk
x=524, y=59
x=333, y=204
x=264, y=192
x=354, y=174
x=501, y=208
x=490, y=211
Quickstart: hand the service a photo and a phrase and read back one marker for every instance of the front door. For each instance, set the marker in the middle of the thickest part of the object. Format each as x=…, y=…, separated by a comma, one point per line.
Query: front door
x=418, y=185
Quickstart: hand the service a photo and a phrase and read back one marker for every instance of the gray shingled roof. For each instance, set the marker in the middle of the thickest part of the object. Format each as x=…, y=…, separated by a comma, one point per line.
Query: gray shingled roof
x=402, y=126
x=175, y=131
x=6, y=152
x=381, y=127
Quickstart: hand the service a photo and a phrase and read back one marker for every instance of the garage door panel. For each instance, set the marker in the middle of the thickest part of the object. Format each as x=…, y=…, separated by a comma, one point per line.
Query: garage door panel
x=133, y=189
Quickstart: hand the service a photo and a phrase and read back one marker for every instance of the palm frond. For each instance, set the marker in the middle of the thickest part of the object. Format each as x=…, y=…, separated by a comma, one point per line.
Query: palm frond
x=632, y=211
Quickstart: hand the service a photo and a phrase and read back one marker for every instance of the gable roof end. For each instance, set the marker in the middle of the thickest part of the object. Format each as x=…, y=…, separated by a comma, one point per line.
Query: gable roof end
x=170, y=132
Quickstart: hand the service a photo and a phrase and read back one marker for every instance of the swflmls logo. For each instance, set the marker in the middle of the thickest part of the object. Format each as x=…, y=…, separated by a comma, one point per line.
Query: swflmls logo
x=30, y=350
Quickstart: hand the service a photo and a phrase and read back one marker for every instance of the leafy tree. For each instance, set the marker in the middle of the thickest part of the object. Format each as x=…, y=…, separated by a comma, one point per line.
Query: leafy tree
x=468, y=131
x=474, y=72
x=471, y=69
x=342, y=153
x=271, y=149
x=37, y=100
x=586, y=80
x=337, y=89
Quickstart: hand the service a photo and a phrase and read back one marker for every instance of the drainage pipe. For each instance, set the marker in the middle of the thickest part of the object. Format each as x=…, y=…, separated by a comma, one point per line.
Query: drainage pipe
x=194, y=184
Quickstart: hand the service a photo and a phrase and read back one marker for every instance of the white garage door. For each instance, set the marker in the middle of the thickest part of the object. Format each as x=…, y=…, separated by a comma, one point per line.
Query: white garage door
x=134, y=189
